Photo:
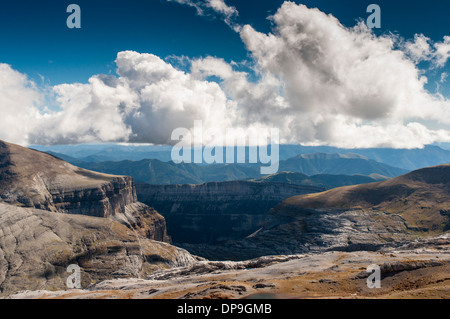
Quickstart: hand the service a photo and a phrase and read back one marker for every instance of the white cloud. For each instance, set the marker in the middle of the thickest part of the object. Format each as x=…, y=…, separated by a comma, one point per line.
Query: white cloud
x=221, y=7
x=19, y=98
x=259, y=104
x=148, y=100
x=340, y=80
x=419, y=49
x=442, y=53
x=423, y=49
x=323, y=83
x=89, y=113
x=169, y=98
x=317, y=81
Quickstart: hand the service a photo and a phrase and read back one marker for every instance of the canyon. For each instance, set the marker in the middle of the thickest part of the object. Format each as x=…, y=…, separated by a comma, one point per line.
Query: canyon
x=216, y=212
x=364, y=217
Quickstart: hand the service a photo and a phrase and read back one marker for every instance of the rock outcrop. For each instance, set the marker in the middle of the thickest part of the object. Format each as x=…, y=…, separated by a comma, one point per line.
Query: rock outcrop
x=37, y=246
x=215, y=212
x=38, y=180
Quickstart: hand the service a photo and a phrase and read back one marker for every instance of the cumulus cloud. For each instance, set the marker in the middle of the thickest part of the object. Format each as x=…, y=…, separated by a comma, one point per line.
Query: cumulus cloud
x=19, y=98
x=419, y=49
x=148, y=100
x=442, y=53
x=90, y=112
x=423, y=49
x=340, y=80
x=169, y=98
x=323, y=83
x=317, y=81
x=258, y=103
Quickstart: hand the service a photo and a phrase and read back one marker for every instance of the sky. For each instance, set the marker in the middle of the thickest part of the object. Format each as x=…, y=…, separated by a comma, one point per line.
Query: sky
x=137, y=70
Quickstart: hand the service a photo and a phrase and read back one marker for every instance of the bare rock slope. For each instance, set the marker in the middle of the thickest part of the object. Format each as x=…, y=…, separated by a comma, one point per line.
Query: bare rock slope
x=366, y=216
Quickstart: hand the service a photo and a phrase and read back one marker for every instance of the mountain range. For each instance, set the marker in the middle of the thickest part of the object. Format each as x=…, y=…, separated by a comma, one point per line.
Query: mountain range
x=338, y=164
x=321, y=180
x=166, y=173
x=407, y=159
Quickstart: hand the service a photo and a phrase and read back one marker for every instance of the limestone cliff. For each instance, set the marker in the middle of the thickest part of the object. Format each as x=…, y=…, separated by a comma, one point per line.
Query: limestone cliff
x=34, y=179
x=217, y=211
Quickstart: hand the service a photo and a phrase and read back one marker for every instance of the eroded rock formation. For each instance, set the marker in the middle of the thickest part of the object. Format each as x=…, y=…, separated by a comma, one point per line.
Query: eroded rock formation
x=37, y=246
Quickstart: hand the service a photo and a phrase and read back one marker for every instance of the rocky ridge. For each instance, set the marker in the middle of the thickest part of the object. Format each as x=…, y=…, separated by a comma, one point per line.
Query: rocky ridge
x=53, y=214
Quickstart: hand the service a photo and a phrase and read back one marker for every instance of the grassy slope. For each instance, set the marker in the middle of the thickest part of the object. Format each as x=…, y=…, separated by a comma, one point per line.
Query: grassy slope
x=421, y=197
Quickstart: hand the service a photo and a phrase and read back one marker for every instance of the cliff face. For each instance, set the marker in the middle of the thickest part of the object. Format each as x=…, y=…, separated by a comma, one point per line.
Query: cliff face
x=37, y=180
x=305, y=231
x=106, y=200
x=215, y=212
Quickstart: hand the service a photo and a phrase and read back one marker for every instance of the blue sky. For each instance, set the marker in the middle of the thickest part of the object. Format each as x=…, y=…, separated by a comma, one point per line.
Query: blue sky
x=37, y=42
x=137, y=70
